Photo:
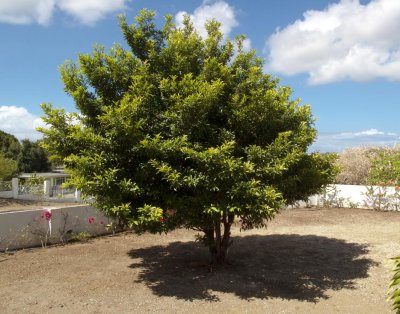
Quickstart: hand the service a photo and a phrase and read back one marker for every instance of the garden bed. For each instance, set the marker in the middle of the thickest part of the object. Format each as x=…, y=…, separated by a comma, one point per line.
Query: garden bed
x=307, y=261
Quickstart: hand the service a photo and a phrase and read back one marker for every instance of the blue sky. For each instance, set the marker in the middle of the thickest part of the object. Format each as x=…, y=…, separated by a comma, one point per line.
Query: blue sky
x=340, y=56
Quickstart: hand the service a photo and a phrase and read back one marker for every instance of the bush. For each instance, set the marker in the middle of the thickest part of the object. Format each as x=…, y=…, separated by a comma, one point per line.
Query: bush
x=385, y=168
x=368, y=165
x=354, y=165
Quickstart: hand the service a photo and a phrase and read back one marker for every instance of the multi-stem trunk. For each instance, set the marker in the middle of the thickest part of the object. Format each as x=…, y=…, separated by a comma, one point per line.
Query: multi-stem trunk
x=219, y=241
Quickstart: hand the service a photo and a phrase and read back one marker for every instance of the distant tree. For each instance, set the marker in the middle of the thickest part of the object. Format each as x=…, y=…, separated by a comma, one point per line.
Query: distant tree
x=385, y=168
x=354, y=164
x=32, y=157
x=8, y=168
x=9, y=145
x=183, y=131
x=367, y=165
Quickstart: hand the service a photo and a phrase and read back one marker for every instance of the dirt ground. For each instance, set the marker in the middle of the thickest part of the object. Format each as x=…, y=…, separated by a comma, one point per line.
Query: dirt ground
x=307, y=261
x=10, y=204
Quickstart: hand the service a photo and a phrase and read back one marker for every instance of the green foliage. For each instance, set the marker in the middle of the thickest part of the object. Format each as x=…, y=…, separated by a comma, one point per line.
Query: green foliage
x=5, y=186
x=32, y=157
x=385, y=168
x=182, y=131
x=82, y=236
x=33, y=185
x=8, y=168
x=395, y=285
x=9, y=145
x=34, y=180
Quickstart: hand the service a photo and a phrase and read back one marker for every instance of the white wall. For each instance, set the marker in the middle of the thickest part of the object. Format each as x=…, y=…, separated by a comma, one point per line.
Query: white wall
x=360, y=196
x=6, y=194
x=21, y=229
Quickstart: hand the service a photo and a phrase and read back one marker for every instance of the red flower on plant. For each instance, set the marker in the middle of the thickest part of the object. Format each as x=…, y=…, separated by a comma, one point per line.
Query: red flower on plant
x=162, y=219
x=102, y=222
x=46, y=214
x=91, y=220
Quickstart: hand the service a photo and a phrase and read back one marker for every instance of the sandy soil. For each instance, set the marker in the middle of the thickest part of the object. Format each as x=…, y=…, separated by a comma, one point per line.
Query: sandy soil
x=10, y=204
x=308, y=261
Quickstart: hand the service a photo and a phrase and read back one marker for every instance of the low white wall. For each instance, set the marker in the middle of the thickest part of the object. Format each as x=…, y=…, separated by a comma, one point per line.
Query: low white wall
x=22, y=229
x=29, y=197
x=358, y=196
x=6, y=194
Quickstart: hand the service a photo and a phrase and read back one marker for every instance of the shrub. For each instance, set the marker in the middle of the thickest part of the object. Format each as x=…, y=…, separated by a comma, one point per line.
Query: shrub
x=354, y=165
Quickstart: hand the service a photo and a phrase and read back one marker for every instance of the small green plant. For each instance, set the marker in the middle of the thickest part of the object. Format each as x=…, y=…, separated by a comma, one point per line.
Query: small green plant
x=41, y=227
x=382, y=198
x=68, y=223
x=353, y=204
x=82, y=236
x=394, y=287
x=330, y=198
x=376, y=197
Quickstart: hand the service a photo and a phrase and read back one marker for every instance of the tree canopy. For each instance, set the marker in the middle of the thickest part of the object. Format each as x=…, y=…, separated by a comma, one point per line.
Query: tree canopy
x=29, y=156
x=184, y=131
x=385, y=168
x=8, y=168
x=9, y=145
x=32, y=158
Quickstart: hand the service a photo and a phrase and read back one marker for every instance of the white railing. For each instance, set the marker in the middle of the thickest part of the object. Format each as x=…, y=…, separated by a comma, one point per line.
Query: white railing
x=43, y=192
x=59, y=192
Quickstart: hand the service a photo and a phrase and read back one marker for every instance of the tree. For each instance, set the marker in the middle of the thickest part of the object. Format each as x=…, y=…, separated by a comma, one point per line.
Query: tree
x=9, y=145
x=385, y=168
x=8, y=168
x=32, y=157
x=354, y=164
x=182, y=131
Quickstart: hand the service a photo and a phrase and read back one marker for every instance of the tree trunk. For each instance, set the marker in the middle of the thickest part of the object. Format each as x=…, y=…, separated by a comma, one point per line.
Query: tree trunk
x=220, y=243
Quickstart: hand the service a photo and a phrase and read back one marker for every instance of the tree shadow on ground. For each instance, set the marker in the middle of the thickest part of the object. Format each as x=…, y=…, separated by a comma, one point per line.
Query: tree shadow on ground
x=301, y=267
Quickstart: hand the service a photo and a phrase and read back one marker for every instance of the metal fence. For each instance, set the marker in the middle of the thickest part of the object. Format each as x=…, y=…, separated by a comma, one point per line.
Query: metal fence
x=58, y=191
x=31, y=189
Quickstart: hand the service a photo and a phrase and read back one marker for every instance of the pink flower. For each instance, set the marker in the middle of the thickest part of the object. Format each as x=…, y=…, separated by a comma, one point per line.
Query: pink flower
x=102, y=222
x=91, y=220
x=46, y=214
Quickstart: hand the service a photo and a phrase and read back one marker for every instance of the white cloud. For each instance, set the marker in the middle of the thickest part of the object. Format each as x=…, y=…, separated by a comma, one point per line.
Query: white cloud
x=26, y=11
x=19, y=122
x=370, y=132
x=246, y=44
x=347, y=40
x=90, y=11
x=41, y=11
x=336, y=142
x=220, y=10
